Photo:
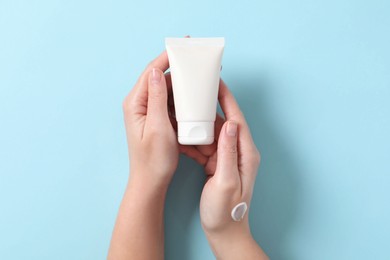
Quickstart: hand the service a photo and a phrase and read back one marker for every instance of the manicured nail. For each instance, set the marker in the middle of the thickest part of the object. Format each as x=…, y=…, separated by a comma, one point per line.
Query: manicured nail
x=231, y=128
x=156, y=76
x=238, y=212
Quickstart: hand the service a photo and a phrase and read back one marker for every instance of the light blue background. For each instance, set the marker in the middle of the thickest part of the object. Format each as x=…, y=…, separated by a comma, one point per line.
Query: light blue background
x=312, y=77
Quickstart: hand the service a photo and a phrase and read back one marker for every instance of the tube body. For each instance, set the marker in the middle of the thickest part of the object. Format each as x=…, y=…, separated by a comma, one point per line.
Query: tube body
x=195, y=65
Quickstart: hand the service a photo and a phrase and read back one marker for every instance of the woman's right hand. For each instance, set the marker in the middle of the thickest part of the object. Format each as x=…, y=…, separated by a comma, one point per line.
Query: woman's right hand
x=231, y=165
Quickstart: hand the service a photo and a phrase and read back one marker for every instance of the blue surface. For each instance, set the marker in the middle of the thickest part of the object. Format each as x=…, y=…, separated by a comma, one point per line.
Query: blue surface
x=312, y=77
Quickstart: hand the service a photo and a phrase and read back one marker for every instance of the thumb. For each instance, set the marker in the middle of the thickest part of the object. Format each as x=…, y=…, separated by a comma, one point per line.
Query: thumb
x=157, y=109
x=227, y=168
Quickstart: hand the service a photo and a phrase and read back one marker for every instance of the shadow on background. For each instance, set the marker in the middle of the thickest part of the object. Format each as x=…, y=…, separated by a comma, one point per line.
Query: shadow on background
x=274, y=203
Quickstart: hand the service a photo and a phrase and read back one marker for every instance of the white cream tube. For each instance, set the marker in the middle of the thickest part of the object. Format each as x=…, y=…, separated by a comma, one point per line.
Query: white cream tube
x=195, y=65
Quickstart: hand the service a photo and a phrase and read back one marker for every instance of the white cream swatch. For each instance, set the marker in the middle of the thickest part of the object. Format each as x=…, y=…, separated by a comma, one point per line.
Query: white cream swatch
x=238, y=211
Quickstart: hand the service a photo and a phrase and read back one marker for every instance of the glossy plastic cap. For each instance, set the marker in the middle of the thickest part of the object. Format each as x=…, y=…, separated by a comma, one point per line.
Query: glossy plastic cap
x=200, y=133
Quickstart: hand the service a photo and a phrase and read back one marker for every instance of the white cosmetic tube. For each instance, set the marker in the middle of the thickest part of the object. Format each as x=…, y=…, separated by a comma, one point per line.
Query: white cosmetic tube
x=195, y=65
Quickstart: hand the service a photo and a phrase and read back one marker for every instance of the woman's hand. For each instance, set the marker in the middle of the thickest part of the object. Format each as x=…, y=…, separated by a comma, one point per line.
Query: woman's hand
x=231, y=165
x=152, y=141
x=154, y=154
x=237, y=162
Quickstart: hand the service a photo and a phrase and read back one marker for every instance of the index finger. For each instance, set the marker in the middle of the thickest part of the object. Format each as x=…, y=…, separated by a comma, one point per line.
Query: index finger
x=246, y=147
x=233, y=112
x=140, y=90
x=160, y=62
x=229, y=104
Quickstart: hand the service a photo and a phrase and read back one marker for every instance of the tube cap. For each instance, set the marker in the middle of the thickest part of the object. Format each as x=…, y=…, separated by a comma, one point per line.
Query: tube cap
x=195, y=132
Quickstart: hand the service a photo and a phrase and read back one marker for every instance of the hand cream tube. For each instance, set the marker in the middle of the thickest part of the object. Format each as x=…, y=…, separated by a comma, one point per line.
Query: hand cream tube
x=195, y=65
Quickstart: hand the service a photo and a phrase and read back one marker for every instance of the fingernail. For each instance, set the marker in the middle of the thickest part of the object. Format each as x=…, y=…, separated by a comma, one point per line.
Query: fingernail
x=231, y=129
x=156, y=76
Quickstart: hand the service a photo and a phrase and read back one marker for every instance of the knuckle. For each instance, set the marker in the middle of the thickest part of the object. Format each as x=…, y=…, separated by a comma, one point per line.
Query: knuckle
x=149, y=66
x=230, y=148
x=156, y=95
x=126, y=104
x=228, y=186
x=255, y=158
x=154, y=133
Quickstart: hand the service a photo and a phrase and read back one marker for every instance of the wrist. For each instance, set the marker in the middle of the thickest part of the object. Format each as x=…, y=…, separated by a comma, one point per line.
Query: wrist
x=145, y=192
x=236, y=242
x=221, y=239
x=148, y=181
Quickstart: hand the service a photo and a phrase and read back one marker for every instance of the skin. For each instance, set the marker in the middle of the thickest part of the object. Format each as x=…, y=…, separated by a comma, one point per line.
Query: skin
x=230, y=163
